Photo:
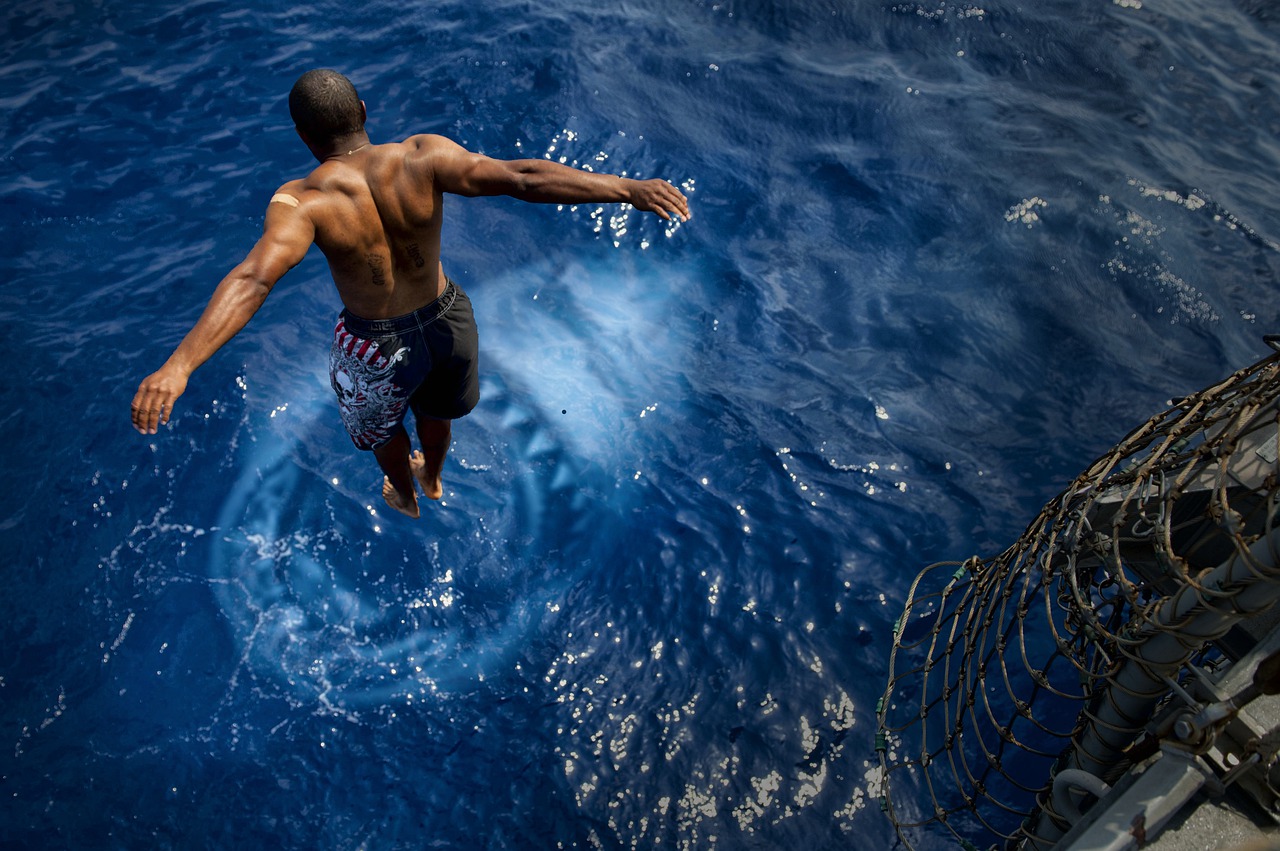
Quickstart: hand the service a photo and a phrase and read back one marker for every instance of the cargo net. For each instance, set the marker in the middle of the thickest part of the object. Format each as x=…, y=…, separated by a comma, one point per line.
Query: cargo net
x=1000, y=665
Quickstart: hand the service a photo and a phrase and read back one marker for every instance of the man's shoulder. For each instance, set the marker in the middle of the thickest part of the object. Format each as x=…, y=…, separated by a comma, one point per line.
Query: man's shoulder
x=293, y=193
x=433, y=144
x=426, y=153
x=311, y=196
x=293, y=187
x=427, y=139
x=325, y=178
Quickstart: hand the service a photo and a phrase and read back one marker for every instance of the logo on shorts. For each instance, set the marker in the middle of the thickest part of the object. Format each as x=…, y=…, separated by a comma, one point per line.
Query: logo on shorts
x=369, y=400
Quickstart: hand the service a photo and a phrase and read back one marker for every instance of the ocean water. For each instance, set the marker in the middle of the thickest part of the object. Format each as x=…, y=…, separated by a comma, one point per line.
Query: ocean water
x=942, y=255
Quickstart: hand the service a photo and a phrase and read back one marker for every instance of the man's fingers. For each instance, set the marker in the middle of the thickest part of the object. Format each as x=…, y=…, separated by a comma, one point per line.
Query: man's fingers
x=150, y=409
x=679, y=203
x=153, y=403
x=138, y=412
x=663, y=199
x=144, y=419
x=158, y=412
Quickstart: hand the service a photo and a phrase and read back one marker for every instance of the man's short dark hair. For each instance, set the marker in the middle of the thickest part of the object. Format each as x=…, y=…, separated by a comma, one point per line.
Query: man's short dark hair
x=325, y=106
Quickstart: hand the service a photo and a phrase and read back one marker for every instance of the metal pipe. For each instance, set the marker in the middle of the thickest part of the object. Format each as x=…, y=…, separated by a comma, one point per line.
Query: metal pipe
x=1074, y=780
x=1179, y=627
x=1137, y=812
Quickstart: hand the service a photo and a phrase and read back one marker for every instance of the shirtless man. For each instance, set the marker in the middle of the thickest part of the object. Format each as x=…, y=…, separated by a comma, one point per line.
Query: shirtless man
x=407, y=338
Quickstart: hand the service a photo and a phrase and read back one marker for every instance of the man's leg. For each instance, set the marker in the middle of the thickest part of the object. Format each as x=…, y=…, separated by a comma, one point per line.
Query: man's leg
x=435, y=436
x=397, y=485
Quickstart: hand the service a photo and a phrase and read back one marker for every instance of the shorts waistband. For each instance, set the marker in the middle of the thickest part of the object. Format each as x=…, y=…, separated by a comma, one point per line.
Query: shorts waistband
x=421, y=317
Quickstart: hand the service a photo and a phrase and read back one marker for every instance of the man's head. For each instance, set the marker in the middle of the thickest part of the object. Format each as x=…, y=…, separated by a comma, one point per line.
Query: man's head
x=325, y=107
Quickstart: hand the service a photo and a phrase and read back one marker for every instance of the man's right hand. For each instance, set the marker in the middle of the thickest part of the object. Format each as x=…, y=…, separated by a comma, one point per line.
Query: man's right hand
x=153, y=403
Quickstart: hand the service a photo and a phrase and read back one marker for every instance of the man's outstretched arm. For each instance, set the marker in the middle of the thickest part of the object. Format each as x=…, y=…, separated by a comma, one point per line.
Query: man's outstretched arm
x=461, y=172
x=286, y=237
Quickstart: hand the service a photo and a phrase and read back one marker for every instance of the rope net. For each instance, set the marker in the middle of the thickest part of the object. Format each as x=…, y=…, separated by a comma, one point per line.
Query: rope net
x=1007, y=669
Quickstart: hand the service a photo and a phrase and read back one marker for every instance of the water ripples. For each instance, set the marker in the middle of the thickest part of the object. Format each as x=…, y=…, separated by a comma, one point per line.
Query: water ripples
x=940, y=253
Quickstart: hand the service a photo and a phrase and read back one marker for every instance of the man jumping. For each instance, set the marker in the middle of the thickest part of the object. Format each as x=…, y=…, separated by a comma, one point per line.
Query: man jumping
x=407, y=337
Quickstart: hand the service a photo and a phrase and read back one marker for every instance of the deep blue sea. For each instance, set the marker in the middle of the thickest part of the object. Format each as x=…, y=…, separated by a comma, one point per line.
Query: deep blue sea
x=942, y=255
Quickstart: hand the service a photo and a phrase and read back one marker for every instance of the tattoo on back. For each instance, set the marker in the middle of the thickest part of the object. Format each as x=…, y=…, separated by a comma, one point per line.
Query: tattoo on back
x=377, y=268
x=416, y=255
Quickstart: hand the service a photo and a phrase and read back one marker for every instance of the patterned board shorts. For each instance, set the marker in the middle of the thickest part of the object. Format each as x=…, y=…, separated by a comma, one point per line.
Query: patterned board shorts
x=426, y=361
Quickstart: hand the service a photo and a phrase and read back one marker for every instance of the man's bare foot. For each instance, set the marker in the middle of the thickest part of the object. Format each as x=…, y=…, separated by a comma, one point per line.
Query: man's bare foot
x=434, y=489
x=397, y=502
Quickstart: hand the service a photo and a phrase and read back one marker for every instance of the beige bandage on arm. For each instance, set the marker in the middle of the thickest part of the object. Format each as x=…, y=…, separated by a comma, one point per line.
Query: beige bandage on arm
x=281, y=198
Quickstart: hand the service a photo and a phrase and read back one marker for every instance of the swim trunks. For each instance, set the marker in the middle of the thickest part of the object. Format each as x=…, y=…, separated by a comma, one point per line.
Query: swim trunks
x=425, y=361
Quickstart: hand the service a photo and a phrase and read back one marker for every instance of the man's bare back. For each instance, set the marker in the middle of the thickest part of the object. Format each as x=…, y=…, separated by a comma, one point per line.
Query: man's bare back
x=377, y=215
x=376, y=212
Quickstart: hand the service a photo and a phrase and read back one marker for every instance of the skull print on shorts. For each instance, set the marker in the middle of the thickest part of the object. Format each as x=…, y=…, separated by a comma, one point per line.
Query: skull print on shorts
x=372, y=405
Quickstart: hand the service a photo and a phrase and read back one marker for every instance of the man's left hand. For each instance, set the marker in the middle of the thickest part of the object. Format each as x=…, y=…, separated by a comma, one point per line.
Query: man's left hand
x=660, y=197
